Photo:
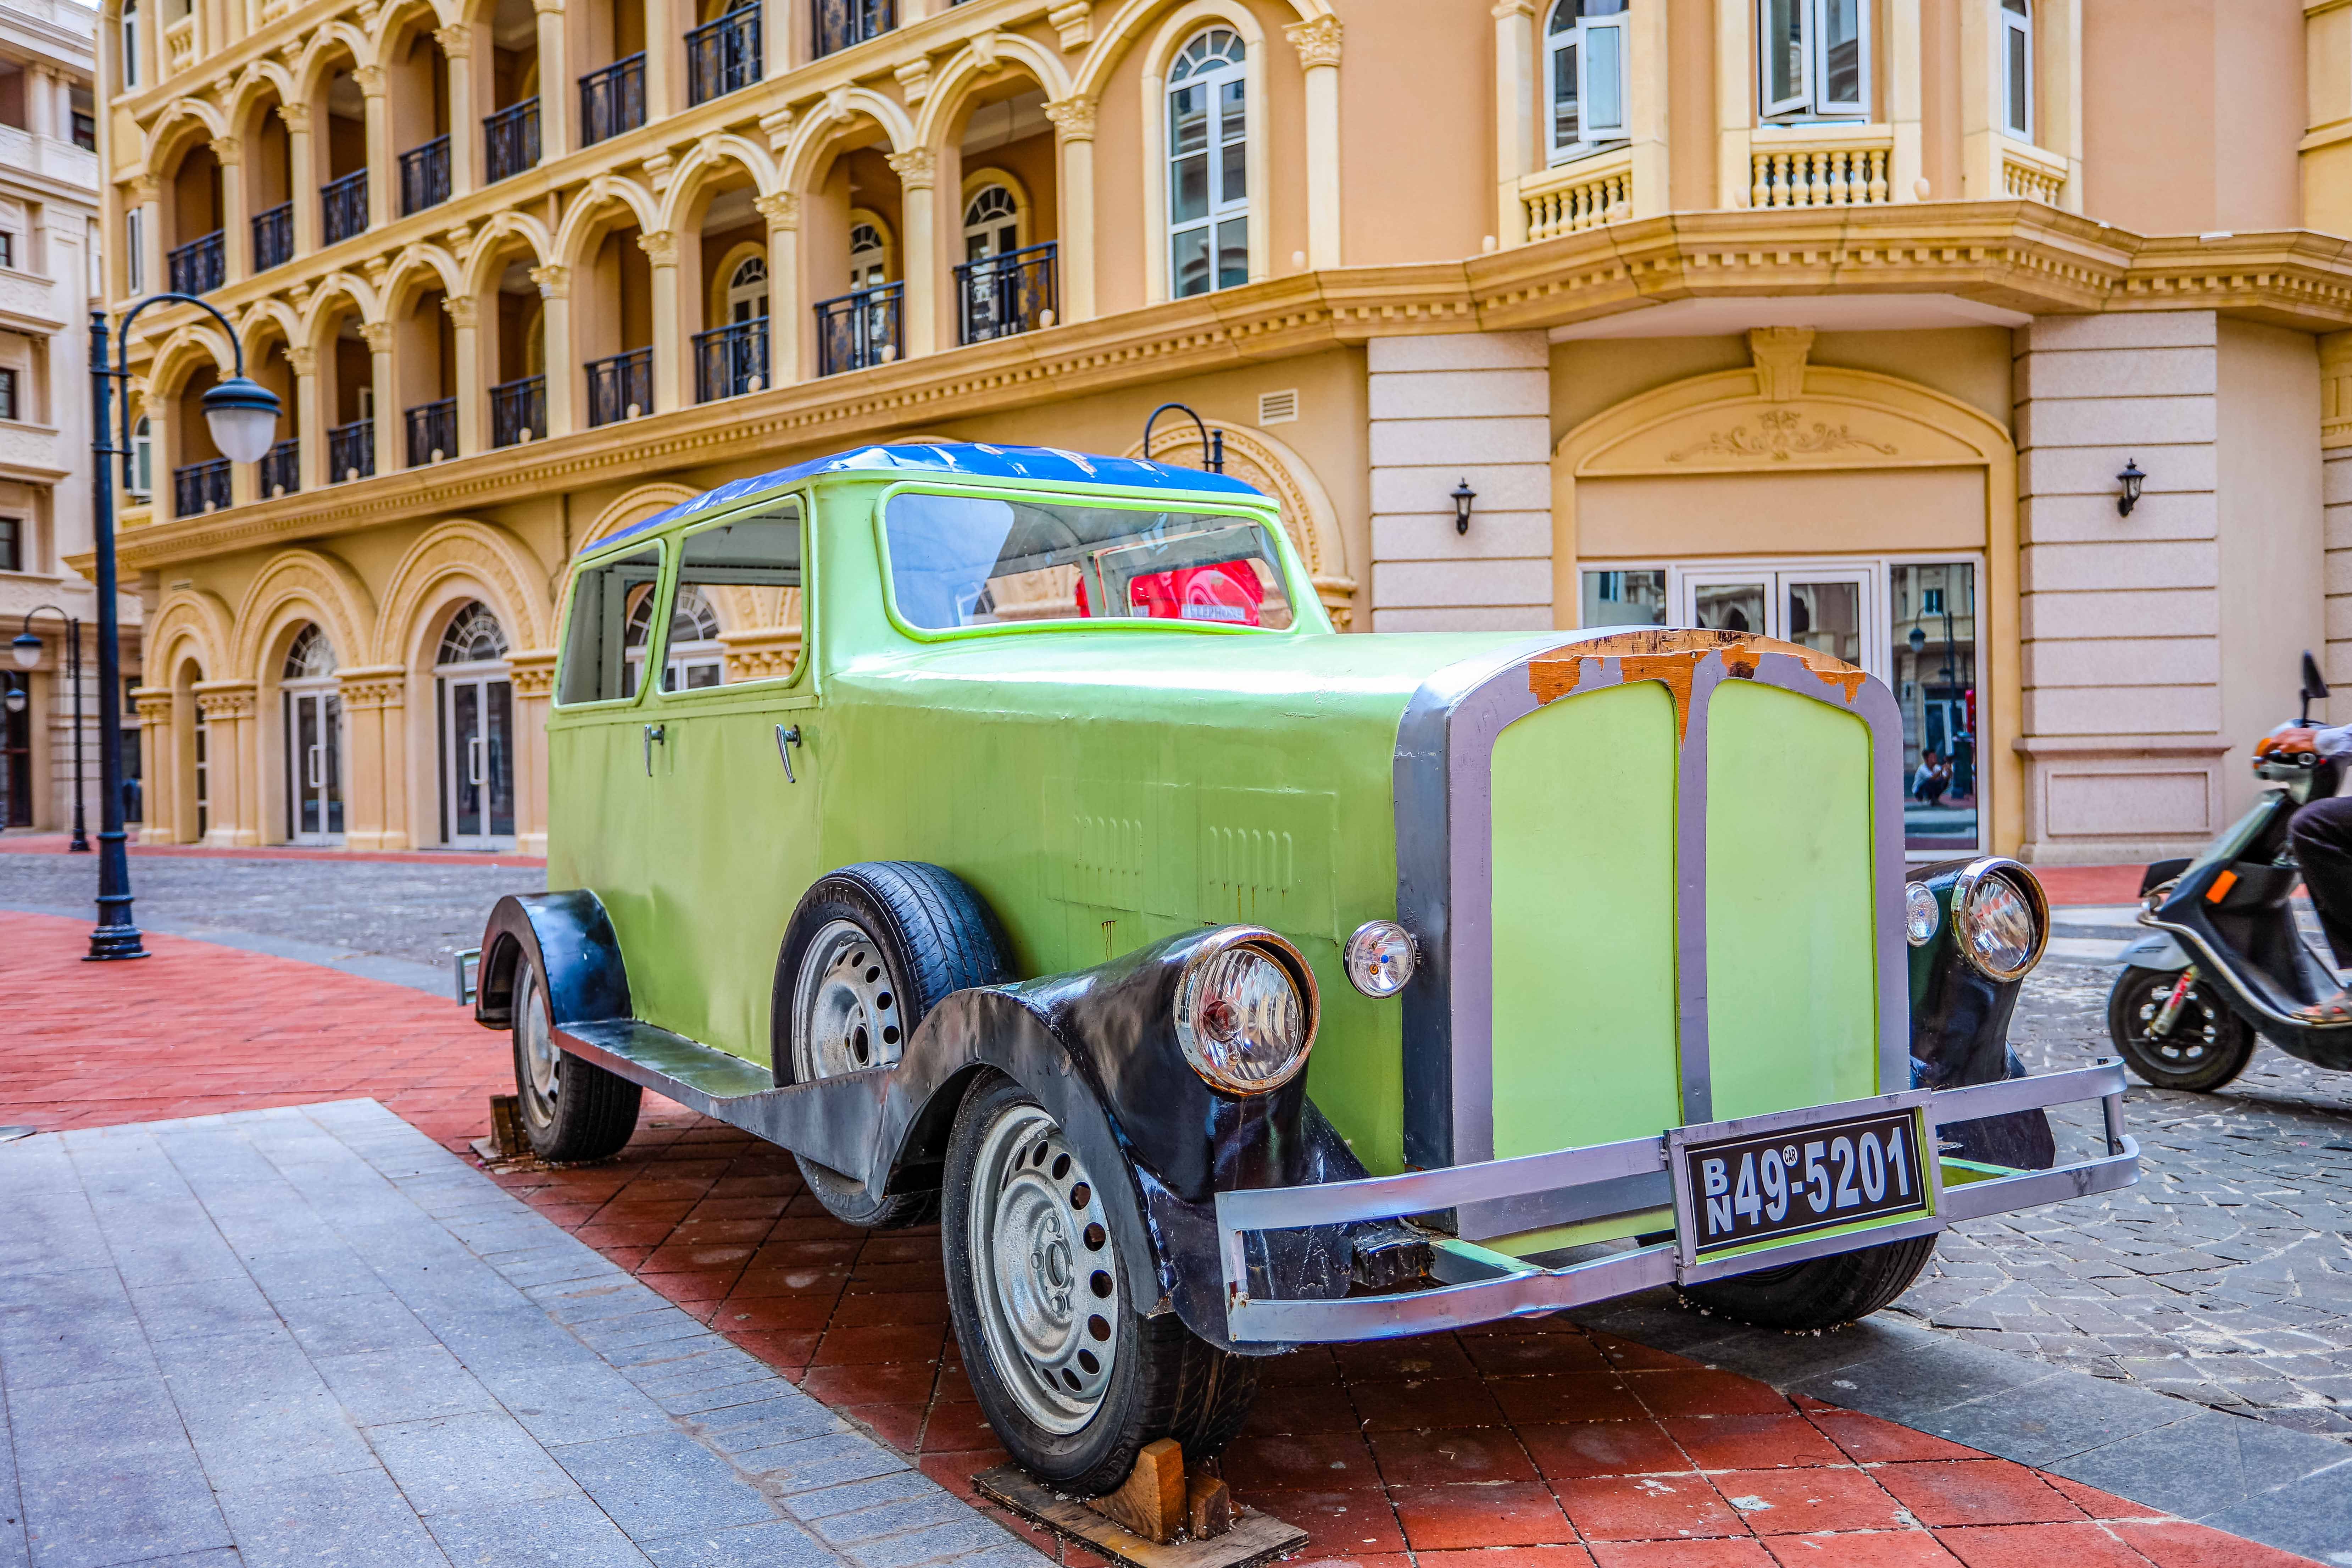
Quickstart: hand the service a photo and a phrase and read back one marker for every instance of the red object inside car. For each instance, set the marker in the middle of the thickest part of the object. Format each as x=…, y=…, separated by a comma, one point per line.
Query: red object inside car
x=1227, y=592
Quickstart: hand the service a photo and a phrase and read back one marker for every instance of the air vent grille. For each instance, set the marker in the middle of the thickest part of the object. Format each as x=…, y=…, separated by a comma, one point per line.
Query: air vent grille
x=1277, y=408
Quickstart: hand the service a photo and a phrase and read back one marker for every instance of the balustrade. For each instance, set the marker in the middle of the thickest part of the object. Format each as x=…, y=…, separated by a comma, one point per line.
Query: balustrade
x=273, y=237
x=200, y=487
x=345, y=205
x=350, y=451
x=620, y=388
x=199, y=265
x=425, y=175
x=518, y=411
x=1580, y=195
x=997, y=296
x=1840, y=173
x=723, y=56
x=838, y=24
x=432, y=432
x=857, y=329
x=280, y=469
x=510, y=140
x=613, y=100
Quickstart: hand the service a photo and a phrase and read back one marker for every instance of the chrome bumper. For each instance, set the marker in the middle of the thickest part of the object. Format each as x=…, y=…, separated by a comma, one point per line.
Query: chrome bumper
x=1478, y=1286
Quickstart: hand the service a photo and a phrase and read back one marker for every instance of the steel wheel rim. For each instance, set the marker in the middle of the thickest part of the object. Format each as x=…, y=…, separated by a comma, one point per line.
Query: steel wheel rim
x=846, y=1010
x=1045, y=1270
x=2191, y=1043
x=542, y=1059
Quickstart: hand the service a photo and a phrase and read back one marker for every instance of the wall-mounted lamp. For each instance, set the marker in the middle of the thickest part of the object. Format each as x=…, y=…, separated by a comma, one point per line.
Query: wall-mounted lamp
x=1462, y=496
x=2131, y=479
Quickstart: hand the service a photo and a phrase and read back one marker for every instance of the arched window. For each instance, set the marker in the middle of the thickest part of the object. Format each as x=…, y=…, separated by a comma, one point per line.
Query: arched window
x=311, y=657
x=747, y=290
x=474, y=637
x=1814, y=59
x=869, y=257
x=1584, y=75
x=312, y=712
x=1208, y=162
x=694, y=658
x=2017, y=69
x=991, y=223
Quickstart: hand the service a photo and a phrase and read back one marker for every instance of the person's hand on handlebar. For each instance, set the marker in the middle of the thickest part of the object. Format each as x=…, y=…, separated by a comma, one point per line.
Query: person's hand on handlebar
x=2293, y=741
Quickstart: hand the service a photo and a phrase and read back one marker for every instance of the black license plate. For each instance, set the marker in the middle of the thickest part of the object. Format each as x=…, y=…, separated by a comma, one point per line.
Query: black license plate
x=1771, y=1187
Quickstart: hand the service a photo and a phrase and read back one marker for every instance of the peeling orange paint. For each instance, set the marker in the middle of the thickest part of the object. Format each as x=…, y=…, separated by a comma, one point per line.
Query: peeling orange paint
x=1672, y=654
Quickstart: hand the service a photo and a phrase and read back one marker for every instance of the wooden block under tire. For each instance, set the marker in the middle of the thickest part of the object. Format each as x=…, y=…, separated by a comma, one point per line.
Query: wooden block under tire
x=1255, y=1536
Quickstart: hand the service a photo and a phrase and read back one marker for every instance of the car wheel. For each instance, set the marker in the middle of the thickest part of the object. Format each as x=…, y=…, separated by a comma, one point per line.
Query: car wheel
x=1824, y=1293
x=872, y=949
x=573, y=1111
x=2206, y=1046
x=1071, y=1373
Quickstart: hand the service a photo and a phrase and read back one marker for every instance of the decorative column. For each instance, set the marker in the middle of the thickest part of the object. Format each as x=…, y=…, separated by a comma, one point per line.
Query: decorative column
x=661, y=250
x=559, y=99
x=374, y=699
x=783, y=211
x=555, y=343
x=1649, y=50
x=917, y=170
x=302, y=176
x=1734, y=100
x=1515, y=114
x=664, y=58
x=1907, y=161
x=532, y=671
x=236, y=234
x=309, y=430
x=1317, y=43
x=1073, y=133
x=465, y=121
x=387, y=410
x=40, y=103
x=382, y=160
x=473, y=407
x=232, y=764
x=157, y=766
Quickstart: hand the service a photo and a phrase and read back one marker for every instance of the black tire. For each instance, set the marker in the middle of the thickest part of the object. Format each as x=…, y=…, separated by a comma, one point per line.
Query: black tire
x=930, y=936
x=1160, y=1381
x=1824, y=1293
x=573, y=1111
x=2208, y=1045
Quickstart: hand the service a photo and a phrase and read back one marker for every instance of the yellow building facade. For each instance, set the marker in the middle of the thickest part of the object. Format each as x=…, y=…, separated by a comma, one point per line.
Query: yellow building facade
x=1836, y=320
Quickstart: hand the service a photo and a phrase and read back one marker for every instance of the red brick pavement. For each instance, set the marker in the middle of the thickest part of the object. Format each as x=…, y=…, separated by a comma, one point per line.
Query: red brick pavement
x=1576, y=1450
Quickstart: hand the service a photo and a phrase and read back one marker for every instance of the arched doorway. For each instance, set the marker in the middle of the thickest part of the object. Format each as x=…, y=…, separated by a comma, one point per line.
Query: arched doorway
x=473, y=708
x=313, y=715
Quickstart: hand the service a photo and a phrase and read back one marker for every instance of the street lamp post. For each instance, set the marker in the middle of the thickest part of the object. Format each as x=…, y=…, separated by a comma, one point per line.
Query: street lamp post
x=26, y=648
x=243, y=418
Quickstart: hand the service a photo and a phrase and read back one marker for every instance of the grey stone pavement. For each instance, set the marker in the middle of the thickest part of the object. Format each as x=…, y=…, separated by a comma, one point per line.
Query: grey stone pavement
x=312, y=1336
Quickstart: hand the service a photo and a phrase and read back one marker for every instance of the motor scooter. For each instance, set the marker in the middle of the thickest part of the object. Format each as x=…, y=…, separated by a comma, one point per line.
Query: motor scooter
x=2226, y=963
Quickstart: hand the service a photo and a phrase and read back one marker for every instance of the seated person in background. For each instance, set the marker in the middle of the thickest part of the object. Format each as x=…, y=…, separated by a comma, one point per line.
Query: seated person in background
x=1927, y=786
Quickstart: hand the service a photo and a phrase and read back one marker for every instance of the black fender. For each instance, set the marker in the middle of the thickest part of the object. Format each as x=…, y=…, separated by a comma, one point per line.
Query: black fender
x=570, y=938
x=1959, y=1035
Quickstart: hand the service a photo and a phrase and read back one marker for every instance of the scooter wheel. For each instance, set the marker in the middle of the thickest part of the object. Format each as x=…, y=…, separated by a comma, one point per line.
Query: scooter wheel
x=2206, y=1048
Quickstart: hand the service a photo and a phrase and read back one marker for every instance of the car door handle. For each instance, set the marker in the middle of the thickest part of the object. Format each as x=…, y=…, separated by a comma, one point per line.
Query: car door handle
x=654, y=732
x=786, y=739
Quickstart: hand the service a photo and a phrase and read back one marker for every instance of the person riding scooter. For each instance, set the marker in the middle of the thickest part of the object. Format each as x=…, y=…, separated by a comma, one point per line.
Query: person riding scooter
x=2321, y=832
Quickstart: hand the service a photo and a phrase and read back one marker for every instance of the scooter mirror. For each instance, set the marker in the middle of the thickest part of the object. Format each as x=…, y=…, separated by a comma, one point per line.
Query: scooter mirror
x=2313, y=686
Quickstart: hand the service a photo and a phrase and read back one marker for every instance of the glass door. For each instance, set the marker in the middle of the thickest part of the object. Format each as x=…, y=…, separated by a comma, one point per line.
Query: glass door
x=1825, y=609
x=477, y=762
x=314, y=767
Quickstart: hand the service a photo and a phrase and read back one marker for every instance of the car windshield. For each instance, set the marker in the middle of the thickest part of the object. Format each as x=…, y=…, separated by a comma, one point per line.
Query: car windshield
x=978, y=561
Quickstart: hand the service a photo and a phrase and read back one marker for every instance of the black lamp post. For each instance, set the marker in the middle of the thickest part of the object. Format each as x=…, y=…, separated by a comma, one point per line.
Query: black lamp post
x=26, y=647
x=1213, y=442
x=243, y=417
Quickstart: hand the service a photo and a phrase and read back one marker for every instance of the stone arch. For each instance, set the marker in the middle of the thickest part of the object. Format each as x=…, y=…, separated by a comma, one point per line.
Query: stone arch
x=634, y=506
x=1785, y=416
x=267, y=313
x=817, y=131
x=1119, y=35
x=401, y=282
x=497, y=567
x=187, y=641
x=305, y=585
x=591, y=212
x=394, y=23
x=183, y=352
x=970, y=68
x=710, y=159
x=486, y=251
x=187, y=120
x=260, y=77
x=188, y=624
x=1309, y=515
x=333, y=290
x=336, y=41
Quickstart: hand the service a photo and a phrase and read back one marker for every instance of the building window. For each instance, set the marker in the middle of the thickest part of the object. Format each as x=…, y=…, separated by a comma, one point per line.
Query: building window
x=1208, y=158
x=1584, y=79
x=130, y=48
x=2016, y=44
x=8, y=409
x=1814, y=56
x=747, y=291
x=12, y=545
x=142, y=460
x=7, y=248
x=135, y=236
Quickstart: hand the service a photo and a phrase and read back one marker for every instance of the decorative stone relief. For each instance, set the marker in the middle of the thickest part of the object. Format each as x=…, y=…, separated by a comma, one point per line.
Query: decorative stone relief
x=1780, y=434
x=554, y=280
x=1318, y=42
x=1072, y=117
x=917, y=168
x=660, y=247
x=782, y=210
x=915, y=79
x=1075, y=22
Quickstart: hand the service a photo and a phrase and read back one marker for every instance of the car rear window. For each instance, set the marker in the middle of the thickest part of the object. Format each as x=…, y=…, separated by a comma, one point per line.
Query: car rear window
x=976, y=560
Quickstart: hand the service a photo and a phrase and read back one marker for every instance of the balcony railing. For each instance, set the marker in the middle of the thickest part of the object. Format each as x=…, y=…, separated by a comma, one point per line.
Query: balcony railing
x=346, y=206
x=1820, y=166
x=855, y=330
x=730, y=361
x=613, y=100
x=198, y=267
x=518, y=411
x=621, y=387
x=723, y=56
x=997, y=296
x=273, y=237
x=200, y=487
x=1579, y=195
x=425, y=175
x=837, y=24
x=432, y=432
x=280, y=469
x=350, y=451
x=510, y=140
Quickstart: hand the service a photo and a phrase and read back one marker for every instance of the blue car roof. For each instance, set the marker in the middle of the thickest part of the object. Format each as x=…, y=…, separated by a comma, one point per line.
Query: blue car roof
x=962, y=459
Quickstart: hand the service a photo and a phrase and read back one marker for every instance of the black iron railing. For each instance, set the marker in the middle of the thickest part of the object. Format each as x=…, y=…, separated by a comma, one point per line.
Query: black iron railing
x=346, y=206
x=199, y=265
x=280, y=469
x=855, y=330
x=723, y=56
x=518, y=411
x=730, y=361
x=613, y=100
x=837, y=24
x=510, y=140
x=350, y=451
x=200, y=487
x=999, y=295
x=621, y=387
x=425, y=175
x=273, y=237
x=432, y=432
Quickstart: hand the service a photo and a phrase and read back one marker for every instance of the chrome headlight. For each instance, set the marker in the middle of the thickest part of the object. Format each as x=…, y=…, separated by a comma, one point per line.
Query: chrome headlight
x=1380, y=958
x=2002, y=916
x=1247, y=1010
x=1920, y=915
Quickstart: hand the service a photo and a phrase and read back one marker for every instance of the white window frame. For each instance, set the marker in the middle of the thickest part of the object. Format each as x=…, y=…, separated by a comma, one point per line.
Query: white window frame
x=2013, y=25
x=1590, y=138
x=130, y=48
x=1213, y=81
x=739, y=292
x=141, y=486
x=135, y=233
x=1808, y=104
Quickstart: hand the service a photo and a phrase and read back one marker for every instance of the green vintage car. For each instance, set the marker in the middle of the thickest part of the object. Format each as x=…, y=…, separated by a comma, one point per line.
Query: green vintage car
x=1005, y=832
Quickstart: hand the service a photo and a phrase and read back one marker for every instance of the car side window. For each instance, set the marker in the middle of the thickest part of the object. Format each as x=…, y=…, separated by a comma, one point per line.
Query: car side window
x=737, y=616
x=606, y=599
